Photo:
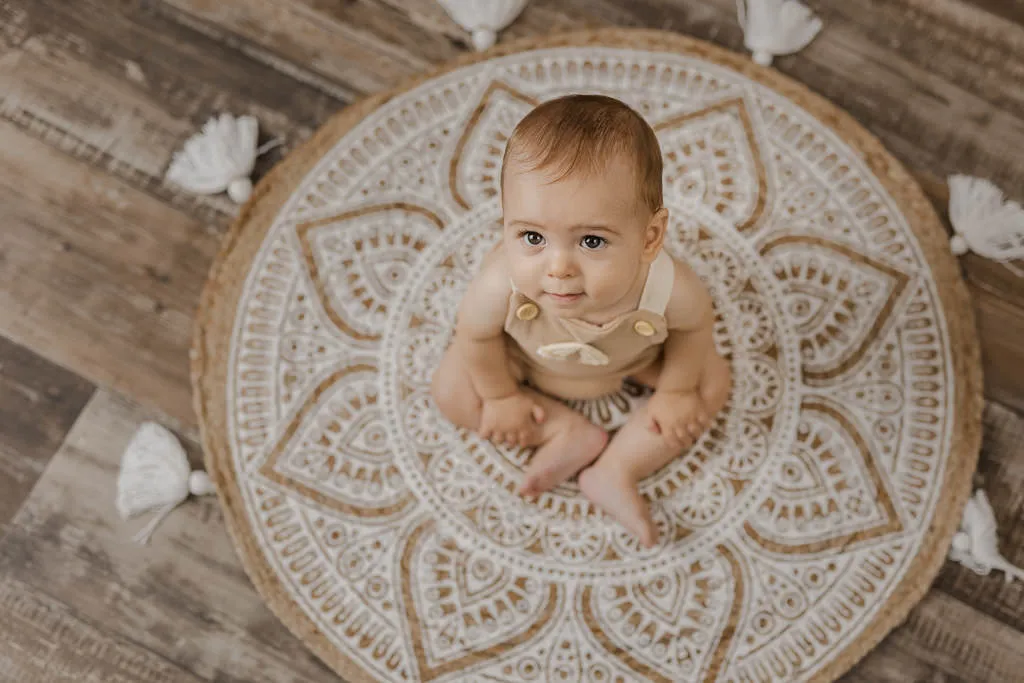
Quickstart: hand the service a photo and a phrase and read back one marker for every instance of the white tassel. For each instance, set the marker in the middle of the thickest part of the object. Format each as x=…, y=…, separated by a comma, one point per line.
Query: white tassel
x=155, y=475
x=776, y=27
x=976, y=544
x=220, y=158
x=585, y=353
x=483, y=18
x=984, y=222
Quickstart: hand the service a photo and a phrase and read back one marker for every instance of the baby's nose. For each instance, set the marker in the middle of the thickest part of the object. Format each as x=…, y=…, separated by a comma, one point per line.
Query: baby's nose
x=561, y=265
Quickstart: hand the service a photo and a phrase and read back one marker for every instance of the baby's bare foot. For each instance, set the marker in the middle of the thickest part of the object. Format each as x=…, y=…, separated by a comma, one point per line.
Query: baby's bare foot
x=617, y=495
x=563, y=456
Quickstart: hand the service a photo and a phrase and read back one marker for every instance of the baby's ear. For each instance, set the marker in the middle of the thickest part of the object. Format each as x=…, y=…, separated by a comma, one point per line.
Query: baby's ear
x=654, y=235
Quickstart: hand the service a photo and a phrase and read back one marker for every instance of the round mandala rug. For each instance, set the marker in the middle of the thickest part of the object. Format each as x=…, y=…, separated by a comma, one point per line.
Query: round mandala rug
x=799, y=530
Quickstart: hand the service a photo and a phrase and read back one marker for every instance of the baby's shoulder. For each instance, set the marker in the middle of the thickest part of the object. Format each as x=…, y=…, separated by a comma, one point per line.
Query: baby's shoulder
x=494, y=275
x=690, y=302
x=485, y=302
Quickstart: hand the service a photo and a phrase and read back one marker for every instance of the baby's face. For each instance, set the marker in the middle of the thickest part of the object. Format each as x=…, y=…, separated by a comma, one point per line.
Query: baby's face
x=576, y=246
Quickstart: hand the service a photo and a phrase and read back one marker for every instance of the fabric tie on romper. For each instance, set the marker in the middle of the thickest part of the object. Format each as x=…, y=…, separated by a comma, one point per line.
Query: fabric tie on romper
x=653, y=298
x=584, y=353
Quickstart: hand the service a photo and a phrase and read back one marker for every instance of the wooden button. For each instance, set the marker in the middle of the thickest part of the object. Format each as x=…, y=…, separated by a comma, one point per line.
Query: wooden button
x=643, y=328
x=528, y=311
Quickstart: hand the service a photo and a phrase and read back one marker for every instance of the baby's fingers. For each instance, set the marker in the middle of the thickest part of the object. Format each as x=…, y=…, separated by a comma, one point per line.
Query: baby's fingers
x=696, y=430
x=652, y=425
x=672, y=432
x=538, y=413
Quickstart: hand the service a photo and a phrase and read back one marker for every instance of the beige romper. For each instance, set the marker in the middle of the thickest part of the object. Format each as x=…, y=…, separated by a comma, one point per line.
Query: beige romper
x=574, y=359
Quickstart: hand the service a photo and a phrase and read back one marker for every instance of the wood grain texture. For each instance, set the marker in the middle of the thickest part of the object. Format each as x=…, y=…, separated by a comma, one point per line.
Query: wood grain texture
x=98, y=276
x=1011, y=10
x=39, y=402
x=101, y=263
x=42, y=639
x=359, y=47
x=944, y=640
x=120, y=85
x=1000, y=321
x=184, y=598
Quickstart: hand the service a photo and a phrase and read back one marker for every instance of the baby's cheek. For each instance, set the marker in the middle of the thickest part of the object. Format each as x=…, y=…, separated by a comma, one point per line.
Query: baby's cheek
x=520, y=270
x=533, y=277
x=612, y=280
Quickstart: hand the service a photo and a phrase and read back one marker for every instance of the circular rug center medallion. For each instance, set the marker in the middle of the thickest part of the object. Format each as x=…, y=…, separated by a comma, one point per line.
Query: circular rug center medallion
x=800, y=528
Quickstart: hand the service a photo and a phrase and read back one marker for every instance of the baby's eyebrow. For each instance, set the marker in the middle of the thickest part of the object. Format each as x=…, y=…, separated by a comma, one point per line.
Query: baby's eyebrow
x=593, y=227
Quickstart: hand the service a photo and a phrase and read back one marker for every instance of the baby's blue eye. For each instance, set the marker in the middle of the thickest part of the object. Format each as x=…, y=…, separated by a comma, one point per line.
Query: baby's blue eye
x=593, y=242
x=534, y=239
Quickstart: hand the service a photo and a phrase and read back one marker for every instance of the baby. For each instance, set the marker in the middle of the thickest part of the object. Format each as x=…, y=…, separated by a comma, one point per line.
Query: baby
x=579, y=295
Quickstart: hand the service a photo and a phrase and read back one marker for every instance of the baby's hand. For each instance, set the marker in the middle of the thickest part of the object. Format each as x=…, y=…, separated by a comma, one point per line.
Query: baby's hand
x=678, y=416
x=511, y=419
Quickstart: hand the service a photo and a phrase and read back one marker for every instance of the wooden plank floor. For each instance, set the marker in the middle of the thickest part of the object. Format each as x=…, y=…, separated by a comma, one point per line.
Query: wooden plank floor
x=102, y=263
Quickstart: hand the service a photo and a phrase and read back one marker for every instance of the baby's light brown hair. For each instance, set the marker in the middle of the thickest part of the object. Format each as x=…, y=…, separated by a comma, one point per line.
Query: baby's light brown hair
x=583, y=133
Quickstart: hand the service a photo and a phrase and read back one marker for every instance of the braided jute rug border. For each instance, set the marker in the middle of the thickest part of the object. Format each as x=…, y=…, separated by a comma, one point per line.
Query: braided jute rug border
x=217, y=313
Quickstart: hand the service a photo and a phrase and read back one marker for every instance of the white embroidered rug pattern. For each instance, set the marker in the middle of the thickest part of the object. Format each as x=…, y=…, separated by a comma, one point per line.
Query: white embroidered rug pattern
x=794, y=535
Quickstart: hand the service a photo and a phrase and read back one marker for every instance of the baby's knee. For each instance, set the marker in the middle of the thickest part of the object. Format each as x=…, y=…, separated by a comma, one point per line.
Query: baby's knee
x=718, y=385
x=443, y=390
x=454, y=397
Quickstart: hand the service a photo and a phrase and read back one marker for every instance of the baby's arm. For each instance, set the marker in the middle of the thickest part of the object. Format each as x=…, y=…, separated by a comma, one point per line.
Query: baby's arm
x=676, y=409
x=507, y=412
x=481, y=324
x=691, y=318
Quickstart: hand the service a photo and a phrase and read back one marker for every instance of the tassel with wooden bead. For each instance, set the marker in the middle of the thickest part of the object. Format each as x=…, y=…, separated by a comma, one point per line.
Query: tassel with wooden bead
x=155, y=475
x=776, y=27
x=976, y=545
x=984, y=221
x=220, y=158
x=483, y=18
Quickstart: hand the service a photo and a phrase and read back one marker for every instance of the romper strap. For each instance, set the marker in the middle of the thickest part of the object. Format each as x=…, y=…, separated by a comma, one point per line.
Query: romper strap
x=658, y=288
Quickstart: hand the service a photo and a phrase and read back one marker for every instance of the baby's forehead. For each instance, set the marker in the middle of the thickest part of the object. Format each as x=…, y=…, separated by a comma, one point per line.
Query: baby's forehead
x=615, y=166
x=585, y=155
x=602, y=196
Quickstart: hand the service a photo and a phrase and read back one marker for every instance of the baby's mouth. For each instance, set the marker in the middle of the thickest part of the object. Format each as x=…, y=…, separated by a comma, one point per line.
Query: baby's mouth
x=565, y=298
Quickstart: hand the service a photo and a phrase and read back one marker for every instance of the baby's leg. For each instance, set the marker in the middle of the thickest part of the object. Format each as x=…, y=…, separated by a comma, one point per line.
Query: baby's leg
x=453, y=390
x=566, y=441
x=611, y=483
x=636, y=452
x=714, y=385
